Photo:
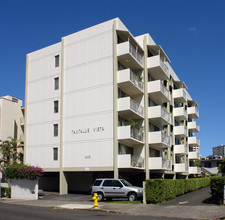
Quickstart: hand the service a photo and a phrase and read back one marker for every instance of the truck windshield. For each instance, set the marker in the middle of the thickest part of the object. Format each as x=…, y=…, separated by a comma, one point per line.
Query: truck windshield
x=125, y=183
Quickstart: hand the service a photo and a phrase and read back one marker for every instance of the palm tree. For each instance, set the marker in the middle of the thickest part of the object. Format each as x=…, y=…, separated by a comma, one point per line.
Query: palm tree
x=9, y=153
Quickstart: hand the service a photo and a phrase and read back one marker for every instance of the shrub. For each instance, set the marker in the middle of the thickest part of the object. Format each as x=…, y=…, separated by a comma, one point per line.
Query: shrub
x=22, y=171
x=217, y=188
x=5, y=192
x=159, y=190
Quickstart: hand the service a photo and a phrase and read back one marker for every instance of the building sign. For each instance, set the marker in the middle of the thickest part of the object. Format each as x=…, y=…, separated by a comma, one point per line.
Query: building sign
x=88, y=130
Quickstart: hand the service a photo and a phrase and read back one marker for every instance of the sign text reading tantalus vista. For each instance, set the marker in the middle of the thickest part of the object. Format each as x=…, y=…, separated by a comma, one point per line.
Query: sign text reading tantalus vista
x=88, y=130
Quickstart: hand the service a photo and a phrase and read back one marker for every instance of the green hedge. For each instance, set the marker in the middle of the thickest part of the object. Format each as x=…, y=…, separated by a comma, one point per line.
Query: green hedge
x=159, y=190
x=217, y=188
x=5, y=192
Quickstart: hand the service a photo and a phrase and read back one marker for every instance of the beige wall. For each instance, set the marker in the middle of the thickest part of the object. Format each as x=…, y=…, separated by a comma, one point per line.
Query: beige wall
x=10, y=115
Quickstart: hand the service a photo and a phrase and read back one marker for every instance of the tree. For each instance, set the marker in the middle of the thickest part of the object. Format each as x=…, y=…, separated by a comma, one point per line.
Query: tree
x=221, y=166
x=9, y=153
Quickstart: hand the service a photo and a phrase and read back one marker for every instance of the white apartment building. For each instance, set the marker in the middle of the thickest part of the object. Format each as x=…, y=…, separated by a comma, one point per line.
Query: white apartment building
x=11, y=118
x=103, y=103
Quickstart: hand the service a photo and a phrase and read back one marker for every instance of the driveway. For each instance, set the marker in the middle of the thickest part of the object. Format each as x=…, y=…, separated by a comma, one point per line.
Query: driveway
x=198, y=197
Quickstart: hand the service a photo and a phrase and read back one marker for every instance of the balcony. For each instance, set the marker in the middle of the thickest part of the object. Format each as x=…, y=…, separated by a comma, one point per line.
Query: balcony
x=158, y=92
x=130, y=136
x=158, y=139
x=129, y=82
x=158, y=115
x=180, y=95
x=129, y=56
x=180, y=149
x=129, y=108
x=180, y=113
x=180, y=131
x=158, y=68
x=157, y=163
x=194, y=155
x=193, y=112
x=193, y=141
x=193, y=126
x=194, y=170
x=180, y=167
x=130, y=161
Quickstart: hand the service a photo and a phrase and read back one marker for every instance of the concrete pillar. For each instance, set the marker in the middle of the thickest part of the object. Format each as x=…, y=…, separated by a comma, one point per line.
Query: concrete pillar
x=63, y=185
x=115, y=98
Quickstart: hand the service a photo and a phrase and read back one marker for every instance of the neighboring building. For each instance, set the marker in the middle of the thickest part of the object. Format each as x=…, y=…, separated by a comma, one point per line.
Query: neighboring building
x=219, y=151
x=210, y=163
x=102, y=103
x=11, y=118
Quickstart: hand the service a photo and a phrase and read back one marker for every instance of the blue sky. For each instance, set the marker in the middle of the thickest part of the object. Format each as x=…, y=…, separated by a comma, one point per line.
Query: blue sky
x=191, y=32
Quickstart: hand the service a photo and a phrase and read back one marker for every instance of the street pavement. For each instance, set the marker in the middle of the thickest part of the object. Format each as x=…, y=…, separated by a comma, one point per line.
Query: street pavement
x=194, y=205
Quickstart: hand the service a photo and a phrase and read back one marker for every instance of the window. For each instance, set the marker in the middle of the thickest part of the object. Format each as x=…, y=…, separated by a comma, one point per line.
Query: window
x=97, y=183
x=108, y=183
x=55, y=153
x=56, y=106
x=56, y=83
x=55, y=130
x=117, y=183
x=57, y=61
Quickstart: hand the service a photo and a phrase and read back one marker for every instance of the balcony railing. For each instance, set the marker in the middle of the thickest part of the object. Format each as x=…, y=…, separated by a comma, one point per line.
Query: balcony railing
x=135, y=106
x=136, y=54
x=137, y=82
x=158, y=137
x=180, y=130
x=129, y=161
x=180, y=95
x=164, y=67
x=193, y=126
x=181, y=167
x=180, y=113
x=136, y=134
x=193, y=141
x=180, y=149
x=165, y=114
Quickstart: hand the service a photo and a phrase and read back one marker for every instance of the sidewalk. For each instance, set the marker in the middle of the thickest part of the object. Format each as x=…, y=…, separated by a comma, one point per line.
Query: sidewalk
x=159, y=210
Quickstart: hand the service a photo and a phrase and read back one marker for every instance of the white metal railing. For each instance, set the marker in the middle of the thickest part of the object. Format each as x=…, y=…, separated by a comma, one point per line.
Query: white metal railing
x=165, y=114
x=165, y=138
x=164, y=67
x=135, y=53
x=164, y=90
x=136, y=81
x=137, y=161
x=136, y=134
x=136, y=107
x=184, y=94
x=166, y=164
x=186, y=167
x=185, y=113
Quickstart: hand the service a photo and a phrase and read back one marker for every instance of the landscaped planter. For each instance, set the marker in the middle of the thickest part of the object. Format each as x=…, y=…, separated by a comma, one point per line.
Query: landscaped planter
x=24, y=181
x=24, y=189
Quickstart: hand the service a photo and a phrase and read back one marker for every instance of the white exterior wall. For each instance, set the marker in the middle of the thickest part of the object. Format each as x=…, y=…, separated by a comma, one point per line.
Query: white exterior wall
x=88, y=100
x=40, y=107
x=10, y=112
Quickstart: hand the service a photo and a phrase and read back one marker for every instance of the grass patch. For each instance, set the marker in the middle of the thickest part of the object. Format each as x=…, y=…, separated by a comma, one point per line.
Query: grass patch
x=123, y=202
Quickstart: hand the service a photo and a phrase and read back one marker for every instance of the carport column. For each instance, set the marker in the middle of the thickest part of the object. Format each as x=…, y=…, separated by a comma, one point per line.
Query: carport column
x=63, y=186
x=115, y=97
x=146, y=125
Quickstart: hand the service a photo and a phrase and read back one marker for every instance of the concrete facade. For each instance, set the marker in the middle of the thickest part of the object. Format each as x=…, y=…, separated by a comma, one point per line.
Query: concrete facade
x=11, y=118
x=106, y=103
